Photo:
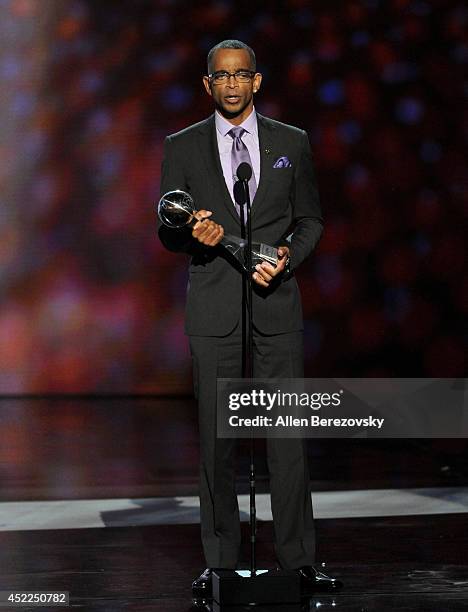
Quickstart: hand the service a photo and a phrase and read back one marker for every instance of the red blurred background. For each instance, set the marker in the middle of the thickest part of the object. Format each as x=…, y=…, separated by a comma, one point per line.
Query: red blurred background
x=90, y=300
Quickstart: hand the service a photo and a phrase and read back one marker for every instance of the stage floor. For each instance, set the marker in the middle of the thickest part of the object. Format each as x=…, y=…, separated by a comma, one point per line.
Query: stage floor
x=395, y=563
x=179, y=510
x=98, y=498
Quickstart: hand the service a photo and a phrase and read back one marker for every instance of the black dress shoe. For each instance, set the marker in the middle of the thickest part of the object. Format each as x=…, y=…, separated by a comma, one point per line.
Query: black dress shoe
x=313, y=580
x=202, y=587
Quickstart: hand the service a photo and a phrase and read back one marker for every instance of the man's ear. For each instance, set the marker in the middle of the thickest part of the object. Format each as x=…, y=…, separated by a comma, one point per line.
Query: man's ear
x=257, y=82
x=207, y=84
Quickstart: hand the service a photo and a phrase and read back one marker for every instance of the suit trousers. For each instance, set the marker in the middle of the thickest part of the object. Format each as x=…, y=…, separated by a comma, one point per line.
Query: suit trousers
x=275, y=356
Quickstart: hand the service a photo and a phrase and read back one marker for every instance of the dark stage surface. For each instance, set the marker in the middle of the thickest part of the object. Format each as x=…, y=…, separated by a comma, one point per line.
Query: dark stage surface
x=404, y=563
x=85, y=449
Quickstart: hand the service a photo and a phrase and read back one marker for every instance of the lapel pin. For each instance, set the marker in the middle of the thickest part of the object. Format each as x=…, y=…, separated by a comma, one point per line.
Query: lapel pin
x=267, y=151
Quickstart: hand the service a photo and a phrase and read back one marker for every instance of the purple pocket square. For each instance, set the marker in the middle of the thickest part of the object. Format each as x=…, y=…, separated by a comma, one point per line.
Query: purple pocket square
x=282, y=162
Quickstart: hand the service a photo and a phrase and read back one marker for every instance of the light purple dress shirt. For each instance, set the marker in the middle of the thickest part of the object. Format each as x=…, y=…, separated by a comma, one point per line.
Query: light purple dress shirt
x=250, y=138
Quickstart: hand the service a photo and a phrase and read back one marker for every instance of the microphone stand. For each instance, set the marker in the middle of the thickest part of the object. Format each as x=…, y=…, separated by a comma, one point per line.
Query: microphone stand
x=249, y=373
x=242, y=197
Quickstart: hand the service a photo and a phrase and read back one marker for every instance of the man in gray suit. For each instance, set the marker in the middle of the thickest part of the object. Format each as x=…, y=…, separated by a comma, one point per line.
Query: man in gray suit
x=202, y=159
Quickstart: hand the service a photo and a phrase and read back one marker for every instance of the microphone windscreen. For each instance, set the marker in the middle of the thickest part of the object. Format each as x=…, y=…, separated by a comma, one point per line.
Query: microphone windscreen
x=239, y=193
x=244, y=171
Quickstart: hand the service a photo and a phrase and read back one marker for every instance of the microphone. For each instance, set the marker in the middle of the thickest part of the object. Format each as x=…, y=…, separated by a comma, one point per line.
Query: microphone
x=239, y=193
x=244, y=171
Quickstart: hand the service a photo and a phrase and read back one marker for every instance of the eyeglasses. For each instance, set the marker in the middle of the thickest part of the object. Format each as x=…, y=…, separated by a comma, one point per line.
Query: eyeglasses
x=222, y=76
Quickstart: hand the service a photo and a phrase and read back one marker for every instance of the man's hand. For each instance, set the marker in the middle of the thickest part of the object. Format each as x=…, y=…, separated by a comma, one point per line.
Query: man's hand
x=205, y=231
x=266, y=272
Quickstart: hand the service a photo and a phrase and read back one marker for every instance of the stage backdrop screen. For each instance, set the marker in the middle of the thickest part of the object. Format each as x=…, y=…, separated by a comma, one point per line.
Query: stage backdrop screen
x=90, y=300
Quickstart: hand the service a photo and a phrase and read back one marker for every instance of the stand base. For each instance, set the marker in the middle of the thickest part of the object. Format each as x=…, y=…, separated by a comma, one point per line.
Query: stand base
x=290, y=607
x=231, y=587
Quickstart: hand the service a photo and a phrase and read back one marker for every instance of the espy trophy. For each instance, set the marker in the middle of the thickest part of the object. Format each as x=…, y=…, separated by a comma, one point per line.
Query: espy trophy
x=176, y=209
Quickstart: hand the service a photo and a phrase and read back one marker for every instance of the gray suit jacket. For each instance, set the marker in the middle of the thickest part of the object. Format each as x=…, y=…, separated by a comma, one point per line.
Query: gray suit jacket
x=286, y=201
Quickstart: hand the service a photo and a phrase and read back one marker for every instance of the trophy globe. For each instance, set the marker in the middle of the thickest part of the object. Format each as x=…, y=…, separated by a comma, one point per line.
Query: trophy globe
x=176, y=209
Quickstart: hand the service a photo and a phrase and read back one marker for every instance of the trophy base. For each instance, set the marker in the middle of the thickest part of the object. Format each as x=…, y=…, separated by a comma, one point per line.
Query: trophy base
x=260, y=252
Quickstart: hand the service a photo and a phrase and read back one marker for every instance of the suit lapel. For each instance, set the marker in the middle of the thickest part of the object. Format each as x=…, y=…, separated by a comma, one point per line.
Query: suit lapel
x=265, y=141
x=208, y=146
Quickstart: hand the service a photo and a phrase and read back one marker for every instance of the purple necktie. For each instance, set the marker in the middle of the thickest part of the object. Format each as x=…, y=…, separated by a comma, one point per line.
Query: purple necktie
x=239, y=154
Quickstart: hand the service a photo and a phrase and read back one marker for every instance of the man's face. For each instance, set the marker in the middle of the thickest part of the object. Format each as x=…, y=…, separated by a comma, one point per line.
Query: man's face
x=233, y=99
